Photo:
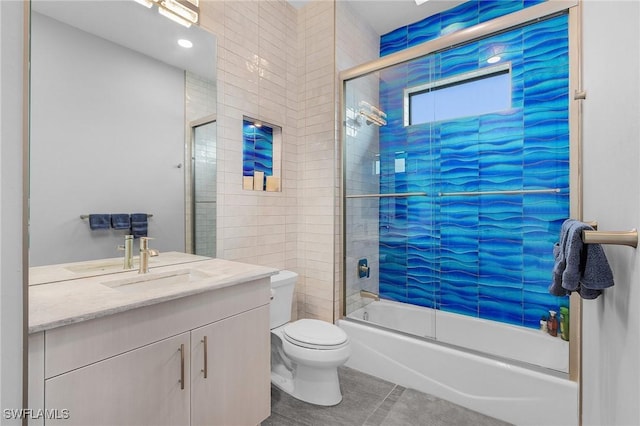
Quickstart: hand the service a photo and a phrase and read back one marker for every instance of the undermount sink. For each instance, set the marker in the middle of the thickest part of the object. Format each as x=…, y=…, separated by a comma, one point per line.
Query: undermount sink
x=157, y=280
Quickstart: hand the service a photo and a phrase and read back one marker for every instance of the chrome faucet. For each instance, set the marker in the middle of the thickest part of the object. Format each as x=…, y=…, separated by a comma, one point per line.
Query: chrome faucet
x=128, y=251
x=145, y=253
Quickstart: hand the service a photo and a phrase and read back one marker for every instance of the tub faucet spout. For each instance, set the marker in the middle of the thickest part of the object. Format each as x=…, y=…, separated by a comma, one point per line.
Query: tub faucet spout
x=145, y=253
x=369, y=295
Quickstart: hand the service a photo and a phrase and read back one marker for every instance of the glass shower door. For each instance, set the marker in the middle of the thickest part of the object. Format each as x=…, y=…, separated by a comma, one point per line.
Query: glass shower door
x=204, y=169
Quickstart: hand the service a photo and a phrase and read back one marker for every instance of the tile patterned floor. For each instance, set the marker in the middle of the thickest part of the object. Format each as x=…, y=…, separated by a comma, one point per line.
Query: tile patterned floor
x=370, y=401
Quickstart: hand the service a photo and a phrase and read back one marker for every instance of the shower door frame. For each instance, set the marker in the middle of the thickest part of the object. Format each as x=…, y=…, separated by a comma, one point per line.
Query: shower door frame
x=522, y=17
x=190, y=201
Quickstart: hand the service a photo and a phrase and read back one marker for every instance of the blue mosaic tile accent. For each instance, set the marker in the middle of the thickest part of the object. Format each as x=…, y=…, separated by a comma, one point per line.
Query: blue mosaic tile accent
x=487, y=256
x=257, y=149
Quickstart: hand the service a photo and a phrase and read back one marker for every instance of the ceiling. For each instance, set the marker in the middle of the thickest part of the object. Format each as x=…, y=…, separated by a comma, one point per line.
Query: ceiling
x=131, y=25
x=387, y=15
x=159, y=35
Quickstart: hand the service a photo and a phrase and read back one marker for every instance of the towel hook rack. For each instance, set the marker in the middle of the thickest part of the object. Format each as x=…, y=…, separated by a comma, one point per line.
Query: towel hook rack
x=86, y=216
x=624, y=238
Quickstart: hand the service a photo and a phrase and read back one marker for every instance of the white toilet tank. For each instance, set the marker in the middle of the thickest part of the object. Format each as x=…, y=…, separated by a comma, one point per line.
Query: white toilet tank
x=282, y=286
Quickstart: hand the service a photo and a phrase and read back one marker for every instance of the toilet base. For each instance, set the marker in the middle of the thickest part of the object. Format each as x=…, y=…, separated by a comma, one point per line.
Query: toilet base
x=313, y=385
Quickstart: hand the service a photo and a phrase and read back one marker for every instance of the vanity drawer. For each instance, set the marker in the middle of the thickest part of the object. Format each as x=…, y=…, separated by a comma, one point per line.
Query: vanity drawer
x=83, y=343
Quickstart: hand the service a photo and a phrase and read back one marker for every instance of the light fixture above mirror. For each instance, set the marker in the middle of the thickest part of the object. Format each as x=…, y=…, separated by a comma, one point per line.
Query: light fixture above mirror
x=184, y=12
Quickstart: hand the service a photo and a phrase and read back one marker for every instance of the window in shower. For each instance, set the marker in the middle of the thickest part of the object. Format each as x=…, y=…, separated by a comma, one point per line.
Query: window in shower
x=478, y=92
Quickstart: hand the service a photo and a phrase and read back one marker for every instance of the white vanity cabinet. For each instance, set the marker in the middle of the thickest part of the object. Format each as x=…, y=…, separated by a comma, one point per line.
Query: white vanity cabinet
x=237, y=370
x=145, y=366
x=139, y=387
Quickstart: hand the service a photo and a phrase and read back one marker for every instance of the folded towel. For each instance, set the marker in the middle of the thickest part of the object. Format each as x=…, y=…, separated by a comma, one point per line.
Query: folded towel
x=120, y=221
x=99, y=221
x=139, y=225
x=559, y=250
x=574, y=255
x=579, y=267
x=597, y=274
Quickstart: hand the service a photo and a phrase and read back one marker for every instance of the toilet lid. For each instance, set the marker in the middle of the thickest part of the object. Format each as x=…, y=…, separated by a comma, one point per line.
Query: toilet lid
x=313, y=333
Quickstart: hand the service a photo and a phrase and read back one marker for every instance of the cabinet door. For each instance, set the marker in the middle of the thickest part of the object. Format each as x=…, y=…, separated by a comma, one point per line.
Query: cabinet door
x=236, y=389
x=140, y=387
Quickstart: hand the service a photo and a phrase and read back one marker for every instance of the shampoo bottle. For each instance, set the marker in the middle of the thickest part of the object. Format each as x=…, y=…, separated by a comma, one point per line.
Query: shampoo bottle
x=552, y=323
x=564, y=323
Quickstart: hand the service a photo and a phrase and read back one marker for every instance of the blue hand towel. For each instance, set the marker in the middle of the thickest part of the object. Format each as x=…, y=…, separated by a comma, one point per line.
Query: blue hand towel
x=574, y=255
x=99, y=221
x=597, y=274
x=139, y=225
x=579, y=267
x=120, y=221
x=559, y=250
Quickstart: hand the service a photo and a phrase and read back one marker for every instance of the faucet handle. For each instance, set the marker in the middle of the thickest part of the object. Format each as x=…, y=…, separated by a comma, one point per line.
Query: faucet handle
x=144, y=242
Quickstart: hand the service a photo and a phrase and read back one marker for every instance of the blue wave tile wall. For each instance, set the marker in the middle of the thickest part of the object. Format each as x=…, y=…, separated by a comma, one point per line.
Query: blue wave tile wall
x=257, y=149
x=463, y=16
x=488, y=256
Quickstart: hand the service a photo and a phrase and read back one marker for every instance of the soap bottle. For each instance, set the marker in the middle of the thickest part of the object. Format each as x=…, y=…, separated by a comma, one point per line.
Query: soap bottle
x=543, y=324
x=564, y=323
x=552, y=324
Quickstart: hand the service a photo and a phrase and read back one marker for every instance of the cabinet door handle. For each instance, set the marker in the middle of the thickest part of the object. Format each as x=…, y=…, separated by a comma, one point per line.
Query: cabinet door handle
x=181, y=366
x=204, y=370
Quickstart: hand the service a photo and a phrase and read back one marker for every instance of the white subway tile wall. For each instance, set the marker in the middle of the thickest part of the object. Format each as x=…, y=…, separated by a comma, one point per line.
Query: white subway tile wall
x=279, y=64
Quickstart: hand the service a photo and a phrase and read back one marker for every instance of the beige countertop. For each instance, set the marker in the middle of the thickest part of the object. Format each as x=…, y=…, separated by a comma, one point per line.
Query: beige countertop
x=90, y=268
x=60, y=303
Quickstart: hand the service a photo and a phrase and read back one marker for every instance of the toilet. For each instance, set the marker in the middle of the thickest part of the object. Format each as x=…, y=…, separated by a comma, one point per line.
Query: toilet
x=305, y=354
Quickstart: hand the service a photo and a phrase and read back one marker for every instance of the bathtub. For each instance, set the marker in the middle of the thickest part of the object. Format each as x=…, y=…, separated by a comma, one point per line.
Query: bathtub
x=514, y=391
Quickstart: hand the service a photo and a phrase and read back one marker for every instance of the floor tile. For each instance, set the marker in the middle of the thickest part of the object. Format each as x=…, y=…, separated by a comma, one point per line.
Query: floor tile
x=361, y=395
x=370, y=401
x=415, y=408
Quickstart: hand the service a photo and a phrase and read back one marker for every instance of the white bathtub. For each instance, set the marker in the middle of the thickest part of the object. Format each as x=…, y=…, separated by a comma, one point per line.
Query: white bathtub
x=522, y=344
x=501, y=389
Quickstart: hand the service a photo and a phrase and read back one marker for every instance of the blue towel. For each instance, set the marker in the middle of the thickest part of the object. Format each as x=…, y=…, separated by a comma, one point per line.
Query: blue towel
x=99, y=221
x=139, y=225
x=559, y=250
x=120, y=221
x=579, y=267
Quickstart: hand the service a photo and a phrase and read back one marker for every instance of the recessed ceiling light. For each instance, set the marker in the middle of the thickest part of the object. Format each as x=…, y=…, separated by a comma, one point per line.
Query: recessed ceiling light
x=185, y=43
x=494, y=59
x=419, y=2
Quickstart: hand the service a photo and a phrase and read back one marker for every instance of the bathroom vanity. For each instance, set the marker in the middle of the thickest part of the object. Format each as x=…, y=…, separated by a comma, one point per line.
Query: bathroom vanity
x=186, y=344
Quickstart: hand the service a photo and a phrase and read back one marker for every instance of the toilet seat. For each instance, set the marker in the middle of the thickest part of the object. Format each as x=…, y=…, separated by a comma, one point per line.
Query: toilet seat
x=315, y=334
